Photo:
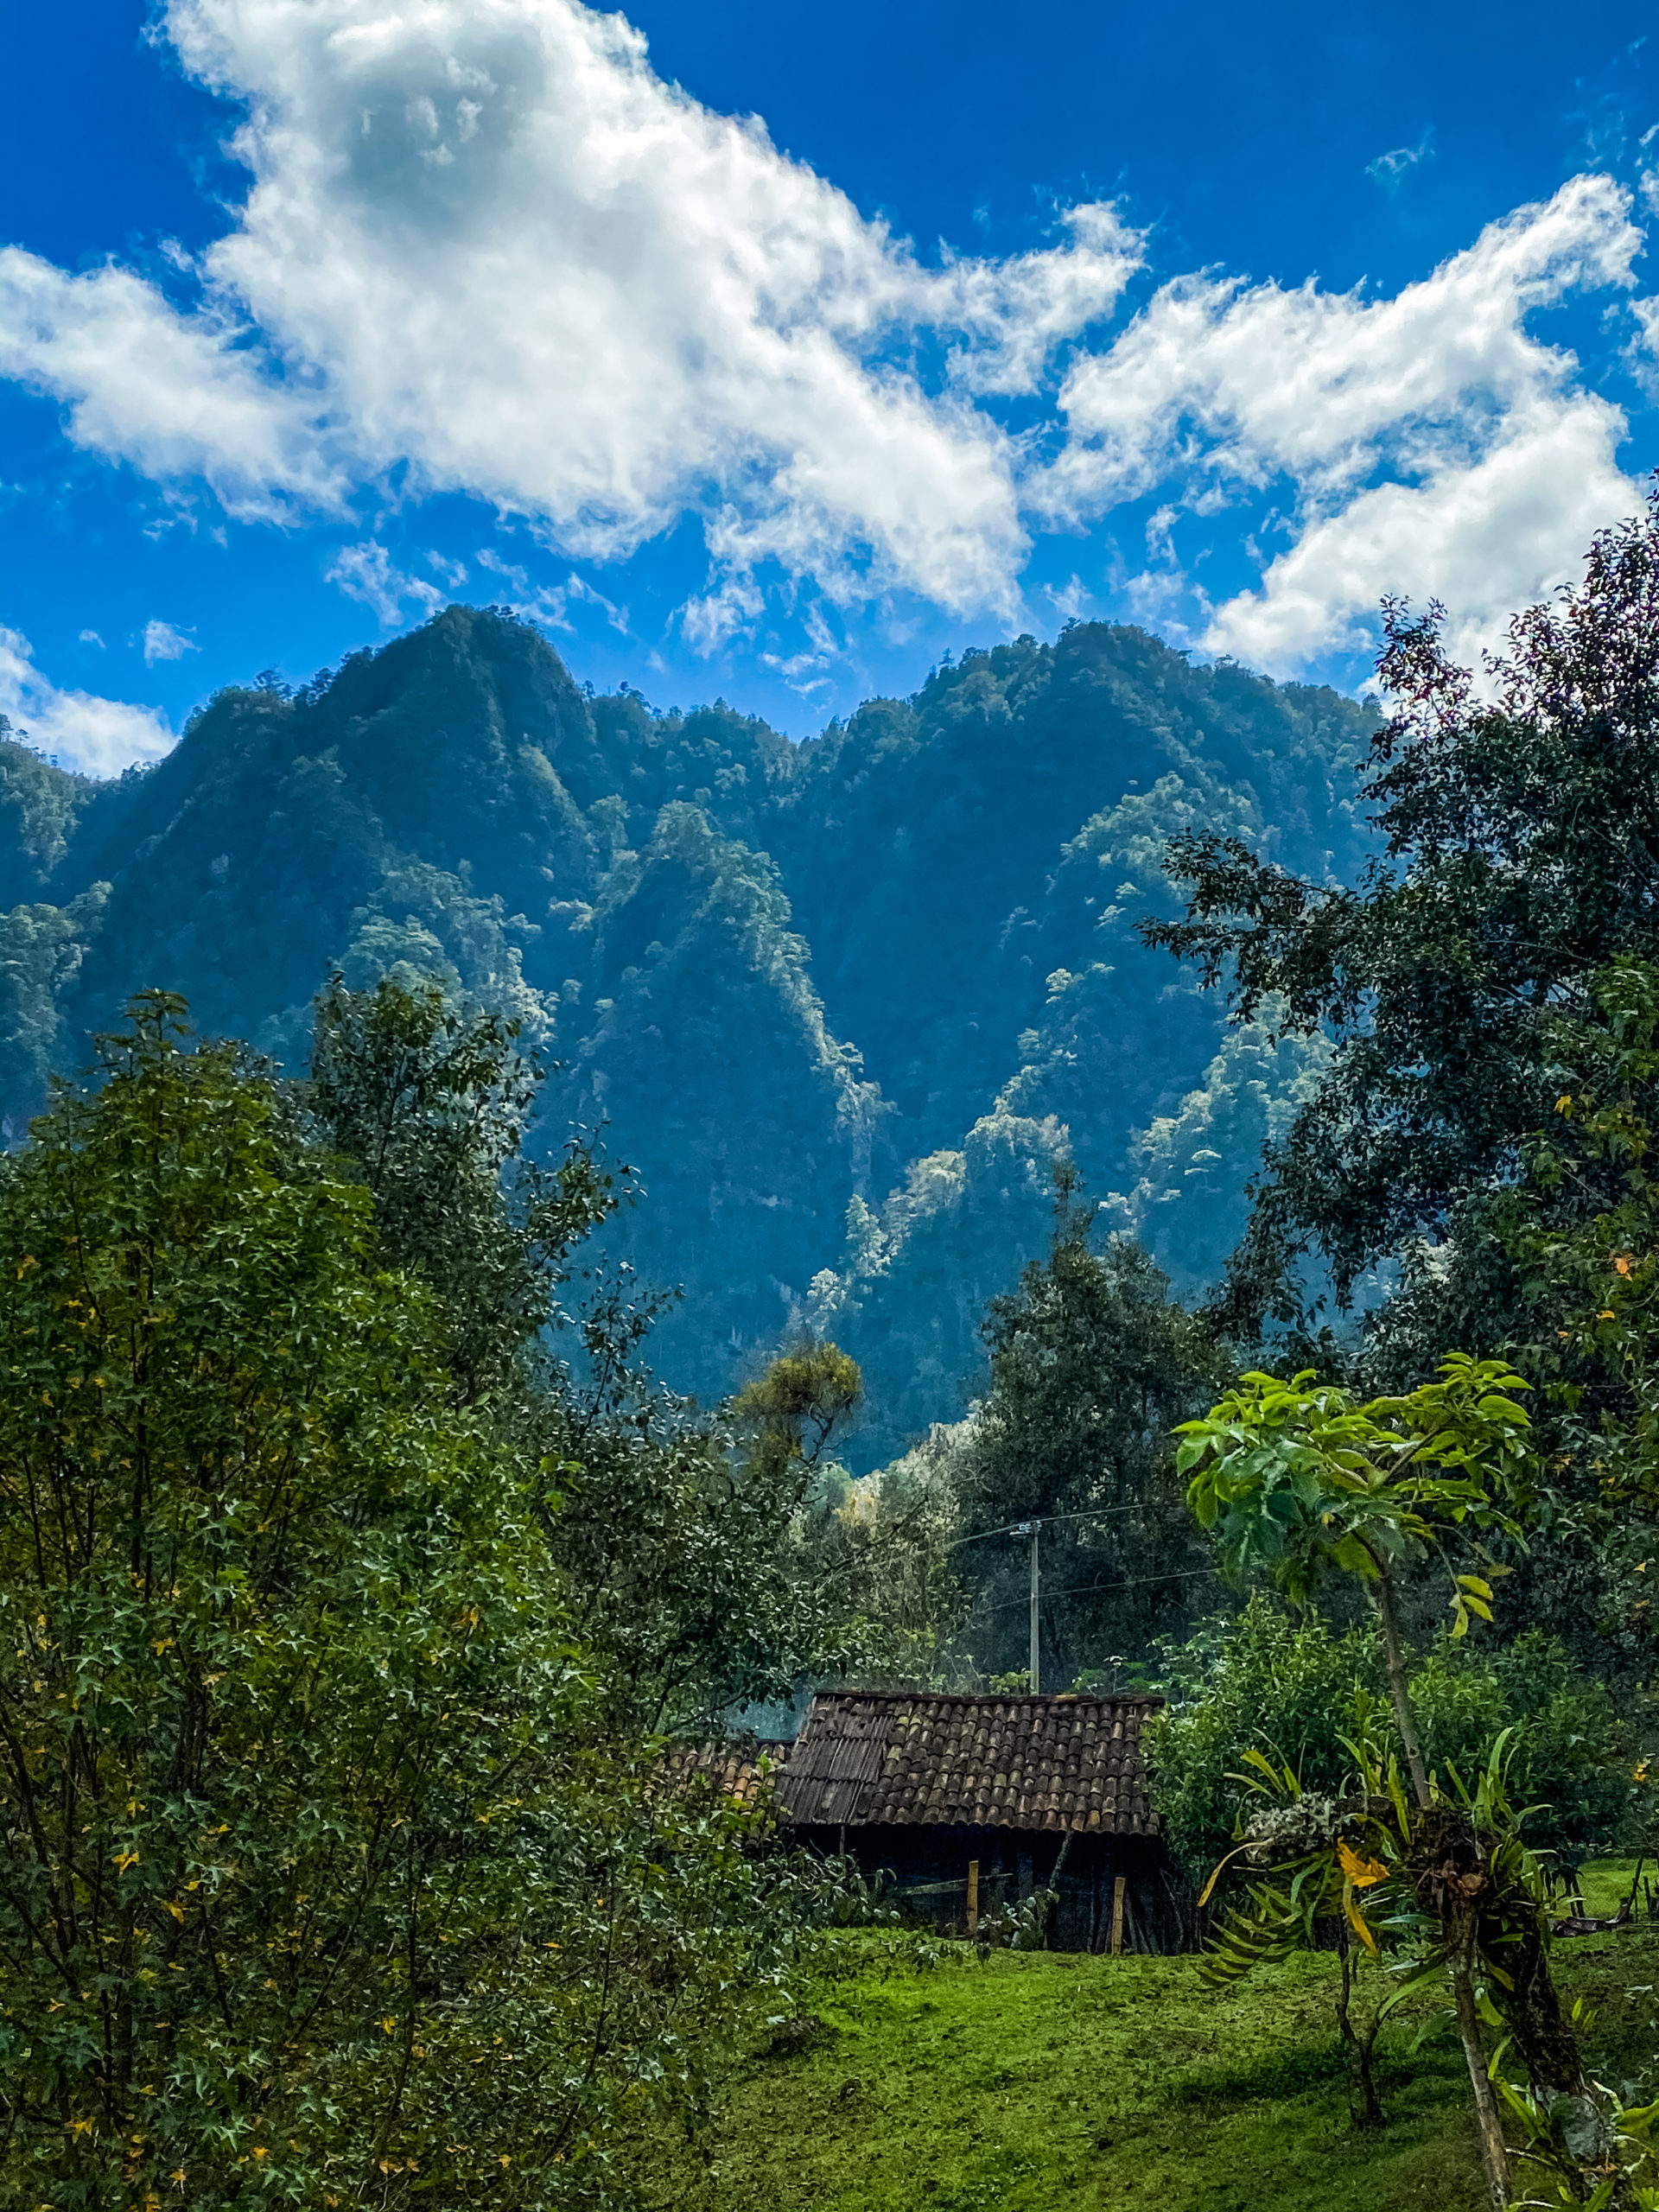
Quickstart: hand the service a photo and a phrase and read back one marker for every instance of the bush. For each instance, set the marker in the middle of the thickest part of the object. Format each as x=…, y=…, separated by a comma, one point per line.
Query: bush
x=1283, y=1684
x=1569, y=1758
x=1268, y=1680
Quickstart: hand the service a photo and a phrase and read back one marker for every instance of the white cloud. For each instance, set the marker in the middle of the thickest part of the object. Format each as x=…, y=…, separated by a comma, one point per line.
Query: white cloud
x=180, y=396
x=453, y=573
x=1488, y=537
x=484, y=239
x=1388, y=169
x=487, y=248
x=365, y=573
x=92, y=637
x=99, y=737
x=164, y=642
x=1069, y=600
x=549, y=603
x=1431, y=442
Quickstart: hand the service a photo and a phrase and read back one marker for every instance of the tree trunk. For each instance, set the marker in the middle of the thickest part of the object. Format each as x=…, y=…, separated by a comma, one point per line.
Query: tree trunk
x=1394, y=1659
x=1532, y=2011
x=1370, y=2104
x=1489, y=2128
x=1494, y=2158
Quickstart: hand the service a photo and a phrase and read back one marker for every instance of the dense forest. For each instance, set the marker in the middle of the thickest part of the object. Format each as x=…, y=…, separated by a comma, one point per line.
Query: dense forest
x=841, y=1005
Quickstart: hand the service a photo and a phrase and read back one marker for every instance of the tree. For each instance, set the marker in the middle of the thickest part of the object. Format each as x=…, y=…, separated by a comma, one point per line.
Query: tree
x=1091, y=1365
x=1300, y=1479
x=430, y=1100
x=324, y=1874
x=675, y=1529
x=1519, y=828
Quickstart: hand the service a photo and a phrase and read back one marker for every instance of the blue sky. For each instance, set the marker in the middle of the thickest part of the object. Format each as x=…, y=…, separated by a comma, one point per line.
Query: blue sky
x=773, y=353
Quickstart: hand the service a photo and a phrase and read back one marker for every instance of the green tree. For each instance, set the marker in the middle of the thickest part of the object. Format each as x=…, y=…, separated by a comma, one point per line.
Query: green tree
x=324, y=1878
x=676, y=1530
x=1092, y=1366
x=1267, y=1679
x=429, y=1101
x=1518, y=822
x=1300, y=1479
x=685, y=1533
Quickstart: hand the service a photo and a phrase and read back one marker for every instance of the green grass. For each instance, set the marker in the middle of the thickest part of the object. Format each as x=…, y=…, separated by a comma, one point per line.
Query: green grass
x=1032, y=2083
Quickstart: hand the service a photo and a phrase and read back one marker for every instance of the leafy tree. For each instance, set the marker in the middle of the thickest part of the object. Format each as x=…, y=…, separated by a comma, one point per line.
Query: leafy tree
x=1569, y=1757
x=326, y=1875
x=1282, y=1684
x=430, y=1102
x=885, y=1546
x=682, y=1530
x=796, y=1407
x=1091, y=1365
x=1302, y=1480
x=1519, y=826
x=677, y=1531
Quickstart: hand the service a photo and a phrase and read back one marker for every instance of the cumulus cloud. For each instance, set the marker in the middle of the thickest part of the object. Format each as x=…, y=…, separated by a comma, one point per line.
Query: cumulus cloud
x=164, y=642
x=97, y=736
x=486, y=240
x=1428, y=441
x=179, y=396
x=485, y=247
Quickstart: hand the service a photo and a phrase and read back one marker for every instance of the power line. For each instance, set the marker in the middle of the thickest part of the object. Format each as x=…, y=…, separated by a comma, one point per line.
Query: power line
x=1087, y=1589
x=1044, y=1521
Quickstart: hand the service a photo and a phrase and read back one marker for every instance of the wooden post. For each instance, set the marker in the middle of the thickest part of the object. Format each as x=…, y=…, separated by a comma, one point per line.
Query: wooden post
x=1118, y=1917
x=972, y=1897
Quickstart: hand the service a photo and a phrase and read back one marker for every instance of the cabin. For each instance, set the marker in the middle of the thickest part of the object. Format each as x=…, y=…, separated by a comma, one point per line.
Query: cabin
x=964, y=1802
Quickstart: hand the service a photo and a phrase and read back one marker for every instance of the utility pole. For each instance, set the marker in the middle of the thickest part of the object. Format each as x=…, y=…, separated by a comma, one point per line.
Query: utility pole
x=1031, y=1529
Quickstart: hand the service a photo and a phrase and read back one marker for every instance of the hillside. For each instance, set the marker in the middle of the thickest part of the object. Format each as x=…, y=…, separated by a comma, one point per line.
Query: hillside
x=842, y=1003
x=918, y=2076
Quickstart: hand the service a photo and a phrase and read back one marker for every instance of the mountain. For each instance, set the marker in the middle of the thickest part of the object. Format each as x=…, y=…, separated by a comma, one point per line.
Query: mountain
x=843, y=1003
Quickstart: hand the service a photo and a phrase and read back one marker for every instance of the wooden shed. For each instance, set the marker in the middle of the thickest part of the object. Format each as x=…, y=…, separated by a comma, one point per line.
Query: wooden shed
x=937, y=1790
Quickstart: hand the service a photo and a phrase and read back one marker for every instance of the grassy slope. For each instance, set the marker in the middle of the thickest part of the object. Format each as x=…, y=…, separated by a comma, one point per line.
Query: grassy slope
x=1033, y=2082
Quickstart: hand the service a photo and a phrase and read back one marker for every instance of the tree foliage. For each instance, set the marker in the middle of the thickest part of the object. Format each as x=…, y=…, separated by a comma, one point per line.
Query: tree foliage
x=1519, y=822
x=1091, y=1365
x=430, y=1100
x=327, y=1875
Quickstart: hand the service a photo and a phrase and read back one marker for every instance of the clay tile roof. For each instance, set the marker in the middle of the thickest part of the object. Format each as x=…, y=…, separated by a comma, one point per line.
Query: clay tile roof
x=874, y=1758
x=734, y=1770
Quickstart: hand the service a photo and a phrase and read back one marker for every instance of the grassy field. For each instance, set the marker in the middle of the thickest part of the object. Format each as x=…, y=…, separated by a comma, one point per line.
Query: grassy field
x=1026, y=2084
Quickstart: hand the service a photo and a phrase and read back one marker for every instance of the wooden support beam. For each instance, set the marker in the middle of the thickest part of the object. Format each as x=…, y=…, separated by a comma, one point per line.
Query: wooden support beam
x=1118, y=1917
x=972, y=1897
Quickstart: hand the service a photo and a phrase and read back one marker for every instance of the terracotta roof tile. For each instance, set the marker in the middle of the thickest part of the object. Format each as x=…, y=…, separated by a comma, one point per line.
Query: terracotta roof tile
x=873, y=1758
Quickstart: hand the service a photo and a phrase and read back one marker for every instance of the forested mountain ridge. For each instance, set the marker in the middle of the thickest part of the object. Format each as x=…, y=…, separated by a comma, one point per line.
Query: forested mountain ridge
x=841, y=1002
